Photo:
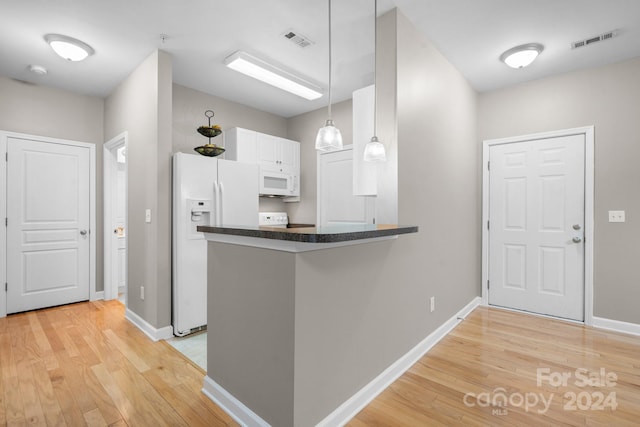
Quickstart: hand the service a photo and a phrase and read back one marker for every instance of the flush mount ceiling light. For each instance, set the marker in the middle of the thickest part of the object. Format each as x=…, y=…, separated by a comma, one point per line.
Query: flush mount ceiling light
x=267, y=73
x=521, y=56
x=69, y=48
x=329, y=136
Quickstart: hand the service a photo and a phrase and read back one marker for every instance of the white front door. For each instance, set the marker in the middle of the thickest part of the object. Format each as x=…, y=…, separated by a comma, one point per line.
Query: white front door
x=536, y=229
x=48, y=214
x=336, y=203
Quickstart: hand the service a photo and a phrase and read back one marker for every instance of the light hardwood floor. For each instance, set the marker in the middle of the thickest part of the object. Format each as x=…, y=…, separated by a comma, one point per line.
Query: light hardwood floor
x=85, y=364
x=497, y=353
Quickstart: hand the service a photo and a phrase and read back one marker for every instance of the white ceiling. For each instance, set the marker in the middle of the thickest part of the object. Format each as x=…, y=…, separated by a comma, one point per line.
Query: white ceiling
x=201, y=33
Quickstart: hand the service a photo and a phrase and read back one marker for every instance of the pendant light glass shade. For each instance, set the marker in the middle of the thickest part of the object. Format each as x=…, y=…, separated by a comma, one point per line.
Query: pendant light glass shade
x=374, y=151
x=329, y=137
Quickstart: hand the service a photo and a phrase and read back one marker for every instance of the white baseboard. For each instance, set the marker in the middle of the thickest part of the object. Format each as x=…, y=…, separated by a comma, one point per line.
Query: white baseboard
x=246, y=417
x=362, y=398
x=616, y=325
x=149, y=330
x=98, y=295
x=232, y=406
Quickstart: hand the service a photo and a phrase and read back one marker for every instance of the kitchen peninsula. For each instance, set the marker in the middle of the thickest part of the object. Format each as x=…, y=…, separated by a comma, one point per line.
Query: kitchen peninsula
x=286, y=341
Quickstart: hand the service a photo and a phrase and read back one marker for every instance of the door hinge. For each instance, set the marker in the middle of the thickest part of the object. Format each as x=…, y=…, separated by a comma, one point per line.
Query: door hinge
x=6, y=286
x=487, y=225
x=488, y=285
x=488, y=166
x=6, y=156
x=6, y=222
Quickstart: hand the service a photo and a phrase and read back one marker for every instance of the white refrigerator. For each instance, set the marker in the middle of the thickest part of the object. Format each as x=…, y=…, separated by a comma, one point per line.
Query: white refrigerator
x=206, y=191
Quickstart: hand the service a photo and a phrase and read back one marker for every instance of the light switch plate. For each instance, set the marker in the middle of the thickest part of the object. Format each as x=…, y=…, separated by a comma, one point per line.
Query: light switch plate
x=616, y=216
x=147, y=216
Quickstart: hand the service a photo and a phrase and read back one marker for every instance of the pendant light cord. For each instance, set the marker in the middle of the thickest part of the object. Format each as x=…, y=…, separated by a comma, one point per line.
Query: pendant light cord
x=329, y=59
x=375, y=54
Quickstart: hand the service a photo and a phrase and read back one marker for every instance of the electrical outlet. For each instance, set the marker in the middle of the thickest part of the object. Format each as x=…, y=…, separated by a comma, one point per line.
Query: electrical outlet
x=142, y=292
x=432, y=304
x=616, y=216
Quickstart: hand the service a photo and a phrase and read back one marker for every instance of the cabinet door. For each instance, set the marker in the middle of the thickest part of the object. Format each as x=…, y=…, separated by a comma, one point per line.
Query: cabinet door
x=268, y=147
x=241, y=145
x=336, y=203
x=289, y=155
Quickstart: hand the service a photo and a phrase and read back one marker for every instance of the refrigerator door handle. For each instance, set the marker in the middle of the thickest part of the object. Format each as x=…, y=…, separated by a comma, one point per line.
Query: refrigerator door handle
x=215, y=204
x=221, y=199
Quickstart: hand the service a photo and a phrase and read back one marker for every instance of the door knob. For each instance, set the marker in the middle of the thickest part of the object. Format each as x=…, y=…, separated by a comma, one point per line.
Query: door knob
x=83, y=232
x=576, y=227
x=576, y=240
x=115, y=231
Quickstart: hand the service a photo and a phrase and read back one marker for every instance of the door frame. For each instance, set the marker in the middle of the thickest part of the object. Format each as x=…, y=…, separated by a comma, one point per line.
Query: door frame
x=589, y=167
x=4, y=136
x=109, y=173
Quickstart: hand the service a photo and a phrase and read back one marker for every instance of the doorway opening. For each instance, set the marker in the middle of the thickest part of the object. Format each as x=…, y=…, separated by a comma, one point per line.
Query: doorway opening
x=537, y=217
x=115, y=218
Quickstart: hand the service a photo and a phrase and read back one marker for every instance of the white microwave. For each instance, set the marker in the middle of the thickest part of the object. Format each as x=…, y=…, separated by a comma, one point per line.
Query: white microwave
x=279, y=184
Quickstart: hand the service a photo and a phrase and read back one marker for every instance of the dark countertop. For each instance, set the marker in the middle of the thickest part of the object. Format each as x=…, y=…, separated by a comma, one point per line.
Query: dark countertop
x=294, y=225
x=332, y=234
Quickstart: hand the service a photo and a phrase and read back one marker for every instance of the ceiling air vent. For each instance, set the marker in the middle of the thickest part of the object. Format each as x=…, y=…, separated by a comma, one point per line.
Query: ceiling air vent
x=591, y=40
x=297, y=38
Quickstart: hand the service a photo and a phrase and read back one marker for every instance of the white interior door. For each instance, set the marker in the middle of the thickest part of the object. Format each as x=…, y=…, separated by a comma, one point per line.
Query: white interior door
x=48, y=213
x=119, y=224
x=536, y=233
x=336, y=203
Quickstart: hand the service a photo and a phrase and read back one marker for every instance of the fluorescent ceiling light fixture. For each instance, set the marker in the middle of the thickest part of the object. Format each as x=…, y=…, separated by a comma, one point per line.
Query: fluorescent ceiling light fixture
x=69, y=48
x=521, y=56
x=265, y=72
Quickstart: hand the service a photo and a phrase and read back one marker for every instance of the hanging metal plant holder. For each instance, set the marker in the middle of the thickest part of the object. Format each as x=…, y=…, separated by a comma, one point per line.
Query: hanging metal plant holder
x=209, y=131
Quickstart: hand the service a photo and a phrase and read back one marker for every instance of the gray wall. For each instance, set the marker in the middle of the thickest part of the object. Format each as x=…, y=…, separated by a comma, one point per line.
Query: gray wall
x=304, y=128
x=608, y=98
x=56, y=113
x=438, y=190
x=141, y=105
x=251, y=327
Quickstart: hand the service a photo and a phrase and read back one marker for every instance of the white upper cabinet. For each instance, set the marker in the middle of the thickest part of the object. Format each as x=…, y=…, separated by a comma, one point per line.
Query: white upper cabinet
x=279, y=160
x=241, y=145
x=278, y=154
x=273, y=153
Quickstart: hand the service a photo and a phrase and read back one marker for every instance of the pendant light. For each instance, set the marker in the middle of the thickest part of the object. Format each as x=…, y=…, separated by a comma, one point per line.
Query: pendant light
x=374, y=150
x=329, y=137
